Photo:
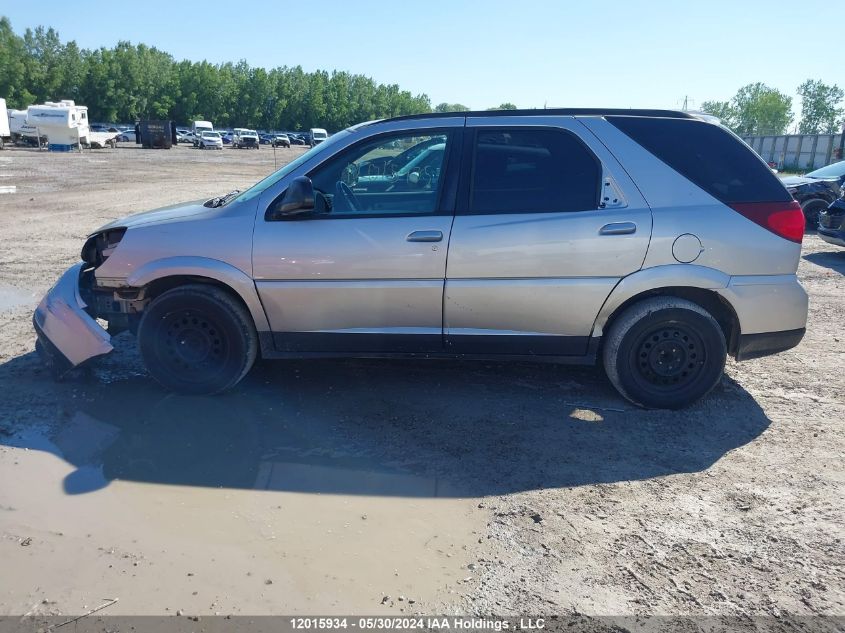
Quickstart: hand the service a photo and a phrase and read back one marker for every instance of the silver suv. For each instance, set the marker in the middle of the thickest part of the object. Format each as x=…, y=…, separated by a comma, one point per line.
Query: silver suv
x=652, y=242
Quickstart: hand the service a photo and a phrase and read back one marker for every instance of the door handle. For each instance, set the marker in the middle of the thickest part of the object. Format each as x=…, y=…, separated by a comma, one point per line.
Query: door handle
x=424, y=236
x=618, y=228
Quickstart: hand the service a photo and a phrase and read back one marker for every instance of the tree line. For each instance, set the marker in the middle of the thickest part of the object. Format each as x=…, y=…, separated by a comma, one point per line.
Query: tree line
x=758, y=109
x=135, y=81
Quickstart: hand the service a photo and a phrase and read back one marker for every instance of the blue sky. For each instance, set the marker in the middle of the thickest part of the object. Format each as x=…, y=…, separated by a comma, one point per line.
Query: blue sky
x=609, y=53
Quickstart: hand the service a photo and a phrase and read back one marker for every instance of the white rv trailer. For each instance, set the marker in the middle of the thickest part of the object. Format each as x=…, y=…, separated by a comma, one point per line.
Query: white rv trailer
x=5, y=132
x=65, y=125
x=19, y=129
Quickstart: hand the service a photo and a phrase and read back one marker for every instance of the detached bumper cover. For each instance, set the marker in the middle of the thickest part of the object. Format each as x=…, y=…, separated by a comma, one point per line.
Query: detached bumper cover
x=67, y=333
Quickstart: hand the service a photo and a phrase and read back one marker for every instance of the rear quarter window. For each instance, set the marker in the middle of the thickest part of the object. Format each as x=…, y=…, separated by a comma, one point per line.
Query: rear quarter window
x=708, y=155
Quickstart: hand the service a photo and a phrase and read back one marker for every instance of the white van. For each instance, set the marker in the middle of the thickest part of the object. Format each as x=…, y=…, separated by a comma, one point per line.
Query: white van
x=5, y=134
x=317, y=135
x=197, y=128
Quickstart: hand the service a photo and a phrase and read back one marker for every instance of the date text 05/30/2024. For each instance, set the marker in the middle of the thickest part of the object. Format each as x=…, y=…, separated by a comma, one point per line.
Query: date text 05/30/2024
x=453, y=623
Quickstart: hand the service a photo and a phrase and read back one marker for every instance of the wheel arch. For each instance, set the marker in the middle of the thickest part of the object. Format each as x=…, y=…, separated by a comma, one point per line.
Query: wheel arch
x=162, y=275
x=693, y=283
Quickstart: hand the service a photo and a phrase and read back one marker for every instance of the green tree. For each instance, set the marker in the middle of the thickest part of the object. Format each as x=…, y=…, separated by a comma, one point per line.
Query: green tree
x=761, y=110
x=754, y=109
x=505, y=106
x=132, y=81
x=12, y=67
x=820, y=110
x=451, y=107
x=722, y=109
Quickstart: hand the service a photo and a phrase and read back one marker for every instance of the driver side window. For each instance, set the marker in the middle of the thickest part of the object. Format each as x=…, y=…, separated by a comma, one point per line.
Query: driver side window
x=391, y=175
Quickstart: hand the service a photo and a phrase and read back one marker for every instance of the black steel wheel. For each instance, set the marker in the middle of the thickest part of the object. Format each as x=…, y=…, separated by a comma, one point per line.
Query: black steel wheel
x=664, y=352
x=197, y=339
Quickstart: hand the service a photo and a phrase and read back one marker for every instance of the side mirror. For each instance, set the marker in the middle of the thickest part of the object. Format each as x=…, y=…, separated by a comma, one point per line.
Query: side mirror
x=298, y=199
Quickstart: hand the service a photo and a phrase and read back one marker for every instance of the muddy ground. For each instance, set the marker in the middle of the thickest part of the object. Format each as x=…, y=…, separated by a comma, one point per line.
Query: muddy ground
x=371, y=487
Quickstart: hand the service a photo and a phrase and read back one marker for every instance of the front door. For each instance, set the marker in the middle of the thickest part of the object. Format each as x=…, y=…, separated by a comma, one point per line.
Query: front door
x=546, y=226
x=363, y=273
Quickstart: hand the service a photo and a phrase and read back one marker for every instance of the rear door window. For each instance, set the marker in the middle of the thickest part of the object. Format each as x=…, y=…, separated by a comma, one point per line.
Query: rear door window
x=520, y=170
x=708, y=155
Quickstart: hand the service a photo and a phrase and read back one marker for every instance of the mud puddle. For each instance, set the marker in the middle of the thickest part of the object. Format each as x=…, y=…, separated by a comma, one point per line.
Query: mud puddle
x=248, y=503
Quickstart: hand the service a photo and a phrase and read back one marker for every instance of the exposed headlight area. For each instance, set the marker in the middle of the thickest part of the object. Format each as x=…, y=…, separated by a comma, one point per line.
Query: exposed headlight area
x=99, y=246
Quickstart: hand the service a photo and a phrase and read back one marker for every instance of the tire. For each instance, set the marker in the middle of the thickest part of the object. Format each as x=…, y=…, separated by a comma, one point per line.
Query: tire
x=197, y=339
x=664, y=353
x=811, y=209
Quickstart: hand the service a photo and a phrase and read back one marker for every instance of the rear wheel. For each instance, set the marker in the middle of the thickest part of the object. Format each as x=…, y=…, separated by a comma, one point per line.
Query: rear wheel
x=664, y=353
x=197, y=339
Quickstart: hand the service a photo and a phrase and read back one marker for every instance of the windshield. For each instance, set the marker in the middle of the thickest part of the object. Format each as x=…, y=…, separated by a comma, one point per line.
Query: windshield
x=211, y=135
x=319, y=134
x=836, y=170
x=258, y=188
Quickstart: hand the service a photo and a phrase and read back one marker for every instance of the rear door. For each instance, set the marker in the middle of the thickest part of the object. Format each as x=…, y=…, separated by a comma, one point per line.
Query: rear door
x=547, y=223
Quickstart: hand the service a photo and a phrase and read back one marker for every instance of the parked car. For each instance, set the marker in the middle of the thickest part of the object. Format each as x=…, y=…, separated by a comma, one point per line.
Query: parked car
x=197, y=129
x=816, y=190
x=227, y=138
x=280, y=140
x=832, y=223
x=620, y=237
x=127, y=136
x=265, y=139
x=296, y=139
x=210, y=140
x=242, y=137
x=187, y=138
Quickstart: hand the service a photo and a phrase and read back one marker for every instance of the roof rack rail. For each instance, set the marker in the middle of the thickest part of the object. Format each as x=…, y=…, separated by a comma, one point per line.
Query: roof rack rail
x=673, y=114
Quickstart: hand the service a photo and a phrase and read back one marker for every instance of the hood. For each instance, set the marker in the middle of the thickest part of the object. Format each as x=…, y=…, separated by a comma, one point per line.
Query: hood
x=795, y=181
x=188, y=210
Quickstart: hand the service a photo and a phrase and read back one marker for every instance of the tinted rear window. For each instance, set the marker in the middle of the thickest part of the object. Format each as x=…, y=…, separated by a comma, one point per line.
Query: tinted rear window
x=533, y=171
x=708, y=155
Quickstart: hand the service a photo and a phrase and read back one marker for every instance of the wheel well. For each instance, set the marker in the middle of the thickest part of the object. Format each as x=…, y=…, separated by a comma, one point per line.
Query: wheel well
x=720, y=309
x=810, y=201
x=160, y=286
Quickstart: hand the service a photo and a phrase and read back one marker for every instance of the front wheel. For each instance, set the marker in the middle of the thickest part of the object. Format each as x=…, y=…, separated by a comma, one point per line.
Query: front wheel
x=811, y=210
x=664, y=353
x=197, y=339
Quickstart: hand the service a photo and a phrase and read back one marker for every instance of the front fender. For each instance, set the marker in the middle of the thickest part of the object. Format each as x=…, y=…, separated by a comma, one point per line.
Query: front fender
x=672, y=275
x=215, y=269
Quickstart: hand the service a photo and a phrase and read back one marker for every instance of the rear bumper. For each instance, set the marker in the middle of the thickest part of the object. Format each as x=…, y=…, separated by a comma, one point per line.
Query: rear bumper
x=766, y=343
x=767, y=303
x=68, y=334
x=832, y=236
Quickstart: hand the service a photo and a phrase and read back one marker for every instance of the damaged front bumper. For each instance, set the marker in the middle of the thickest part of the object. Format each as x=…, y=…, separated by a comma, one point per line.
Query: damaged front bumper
x=67, y=334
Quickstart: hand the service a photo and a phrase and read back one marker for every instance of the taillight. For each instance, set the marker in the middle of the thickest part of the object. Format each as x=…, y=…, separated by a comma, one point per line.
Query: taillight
x=785, y=219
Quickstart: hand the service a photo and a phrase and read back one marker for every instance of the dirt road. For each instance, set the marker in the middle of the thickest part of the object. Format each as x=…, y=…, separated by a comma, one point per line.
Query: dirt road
x=366, y=487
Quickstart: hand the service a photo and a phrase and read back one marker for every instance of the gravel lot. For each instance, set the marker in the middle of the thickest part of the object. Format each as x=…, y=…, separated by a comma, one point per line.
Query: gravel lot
x=369, y=487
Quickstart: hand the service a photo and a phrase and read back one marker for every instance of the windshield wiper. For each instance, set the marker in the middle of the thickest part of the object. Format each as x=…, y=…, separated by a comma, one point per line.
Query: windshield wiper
x=219, y=201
